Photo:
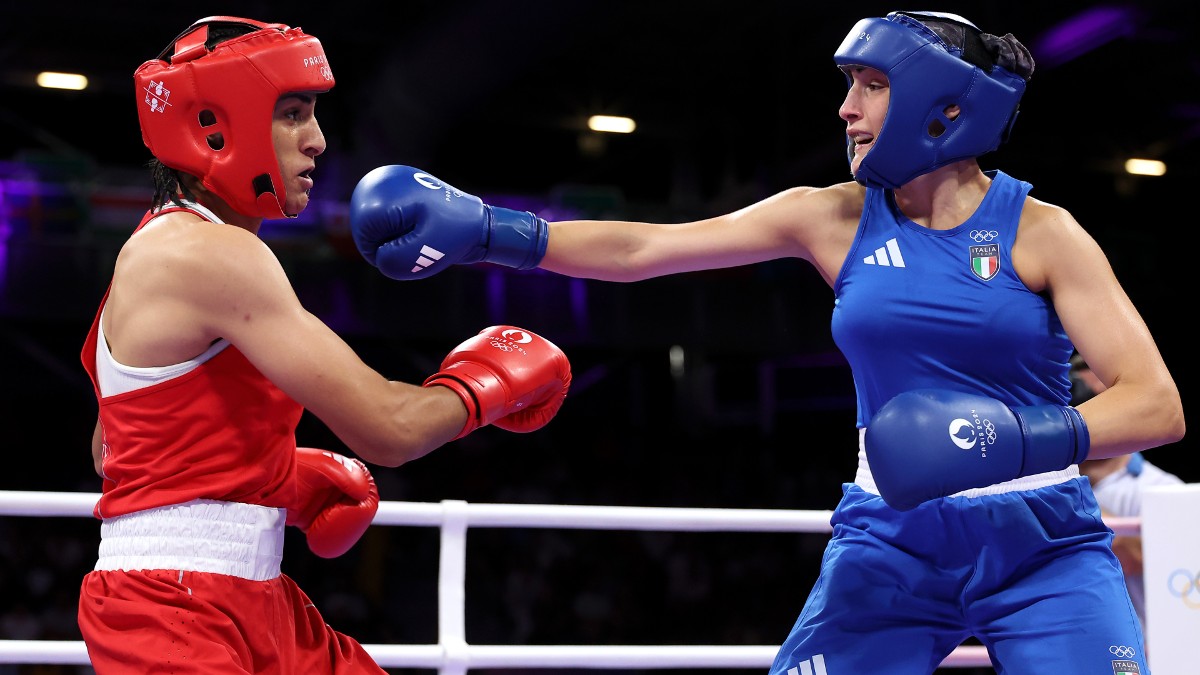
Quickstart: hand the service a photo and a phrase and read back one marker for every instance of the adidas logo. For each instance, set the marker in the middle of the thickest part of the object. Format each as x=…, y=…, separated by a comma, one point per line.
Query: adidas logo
x=428, y=257
x=887, y=255
x=815, y=665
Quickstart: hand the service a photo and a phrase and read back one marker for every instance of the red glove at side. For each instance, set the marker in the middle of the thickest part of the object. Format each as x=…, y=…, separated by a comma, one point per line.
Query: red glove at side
x=508, y=377
x=336, y=500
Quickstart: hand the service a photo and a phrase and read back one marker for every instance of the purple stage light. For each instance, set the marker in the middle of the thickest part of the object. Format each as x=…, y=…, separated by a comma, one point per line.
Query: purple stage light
x=1084, y=32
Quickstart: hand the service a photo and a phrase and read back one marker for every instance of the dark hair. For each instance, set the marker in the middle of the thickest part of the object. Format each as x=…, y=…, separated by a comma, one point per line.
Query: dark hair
x=982, y=49
x=168, y=184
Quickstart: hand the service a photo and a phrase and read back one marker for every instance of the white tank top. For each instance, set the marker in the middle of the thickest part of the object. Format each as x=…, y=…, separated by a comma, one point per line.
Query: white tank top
x=117, y=378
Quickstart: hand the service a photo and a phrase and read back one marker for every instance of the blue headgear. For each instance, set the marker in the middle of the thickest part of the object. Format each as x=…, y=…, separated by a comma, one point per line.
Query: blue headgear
x=933, y=60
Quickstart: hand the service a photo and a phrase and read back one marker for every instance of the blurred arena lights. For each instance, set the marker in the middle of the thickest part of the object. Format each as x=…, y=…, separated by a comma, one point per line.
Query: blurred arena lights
x=1145, y=167
x=611, y=124
x=51, y=80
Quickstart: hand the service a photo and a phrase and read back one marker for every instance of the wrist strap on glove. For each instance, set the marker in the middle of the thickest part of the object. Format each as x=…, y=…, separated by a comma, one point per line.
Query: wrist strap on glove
x=1055, y=437
x=517, y=238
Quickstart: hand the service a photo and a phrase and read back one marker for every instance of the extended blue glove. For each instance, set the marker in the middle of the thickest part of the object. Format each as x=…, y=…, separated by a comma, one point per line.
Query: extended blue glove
x=411, y=225
x=931, y=443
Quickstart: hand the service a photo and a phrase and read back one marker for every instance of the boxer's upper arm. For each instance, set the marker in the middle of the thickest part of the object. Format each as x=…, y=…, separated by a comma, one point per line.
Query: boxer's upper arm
x=242, y=293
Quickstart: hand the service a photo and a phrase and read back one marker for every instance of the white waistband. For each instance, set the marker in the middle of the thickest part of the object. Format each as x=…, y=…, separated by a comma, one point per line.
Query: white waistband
x=203, y=535
x=866, y=481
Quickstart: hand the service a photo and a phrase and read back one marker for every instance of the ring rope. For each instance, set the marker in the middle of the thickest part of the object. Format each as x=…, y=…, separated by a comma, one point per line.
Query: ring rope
x=453, y=655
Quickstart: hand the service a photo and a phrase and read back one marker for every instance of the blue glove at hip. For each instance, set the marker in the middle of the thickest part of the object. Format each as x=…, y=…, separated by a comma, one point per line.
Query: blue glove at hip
x=930, y=443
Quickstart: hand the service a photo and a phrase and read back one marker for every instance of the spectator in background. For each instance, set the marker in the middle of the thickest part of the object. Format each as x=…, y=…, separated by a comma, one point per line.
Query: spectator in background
x=1118, y=483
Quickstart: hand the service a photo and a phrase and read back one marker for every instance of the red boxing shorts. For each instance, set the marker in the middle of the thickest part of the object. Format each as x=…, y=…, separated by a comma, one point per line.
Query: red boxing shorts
x=195, y=589
x=169, y=621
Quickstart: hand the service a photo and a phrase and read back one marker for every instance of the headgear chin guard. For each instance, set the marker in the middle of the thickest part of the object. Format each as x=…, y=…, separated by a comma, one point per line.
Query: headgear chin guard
x=191, y=92
x=933, y=60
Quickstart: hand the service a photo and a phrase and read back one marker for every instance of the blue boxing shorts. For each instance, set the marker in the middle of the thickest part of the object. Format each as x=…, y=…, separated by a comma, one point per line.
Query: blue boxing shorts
x=1029, y=573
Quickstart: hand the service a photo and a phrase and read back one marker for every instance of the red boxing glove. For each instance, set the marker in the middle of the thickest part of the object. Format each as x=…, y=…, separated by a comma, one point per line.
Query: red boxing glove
x=508, y=377
x=336, y=500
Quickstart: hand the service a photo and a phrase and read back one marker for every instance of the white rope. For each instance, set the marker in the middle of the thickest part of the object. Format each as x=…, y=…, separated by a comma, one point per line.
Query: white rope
x=428, y=514
x=18, y=503
x=61, y=652
x=453, y=656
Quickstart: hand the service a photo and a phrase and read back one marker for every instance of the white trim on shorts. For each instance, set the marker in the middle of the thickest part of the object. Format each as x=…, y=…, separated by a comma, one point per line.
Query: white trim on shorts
x=865, y=480
x=203, y=535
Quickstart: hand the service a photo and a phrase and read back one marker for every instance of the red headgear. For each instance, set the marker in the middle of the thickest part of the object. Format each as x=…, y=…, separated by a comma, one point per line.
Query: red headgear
x=231, y=89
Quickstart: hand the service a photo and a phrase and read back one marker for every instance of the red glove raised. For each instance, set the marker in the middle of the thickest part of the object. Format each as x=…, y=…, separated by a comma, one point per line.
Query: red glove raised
x=508, y=377
x=336, y=500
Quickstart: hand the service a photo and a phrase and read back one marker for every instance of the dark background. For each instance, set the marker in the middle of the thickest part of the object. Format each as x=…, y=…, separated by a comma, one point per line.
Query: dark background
x=734, y=102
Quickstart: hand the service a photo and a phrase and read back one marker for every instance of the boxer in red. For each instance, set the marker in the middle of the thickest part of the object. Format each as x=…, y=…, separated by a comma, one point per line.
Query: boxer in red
x=203, y=360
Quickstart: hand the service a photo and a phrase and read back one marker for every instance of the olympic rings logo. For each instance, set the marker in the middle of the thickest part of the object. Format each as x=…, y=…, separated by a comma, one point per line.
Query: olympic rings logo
x=964, y=434
x=1185, y=586
x=980, y=236
x=501, y=345
x=511, y=340
x=1121, y=651
x=989, y=430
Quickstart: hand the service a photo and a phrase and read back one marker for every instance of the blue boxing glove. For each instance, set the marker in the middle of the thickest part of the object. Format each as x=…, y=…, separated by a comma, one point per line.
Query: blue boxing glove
x=411, y=225
x=931, y=443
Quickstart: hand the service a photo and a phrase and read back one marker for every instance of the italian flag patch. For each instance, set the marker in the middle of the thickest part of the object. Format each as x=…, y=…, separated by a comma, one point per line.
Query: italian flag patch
x=985, y=260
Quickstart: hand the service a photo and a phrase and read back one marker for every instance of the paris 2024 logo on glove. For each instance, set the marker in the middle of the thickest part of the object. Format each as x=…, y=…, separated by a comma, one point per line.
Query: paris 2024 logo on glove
x=966, y=434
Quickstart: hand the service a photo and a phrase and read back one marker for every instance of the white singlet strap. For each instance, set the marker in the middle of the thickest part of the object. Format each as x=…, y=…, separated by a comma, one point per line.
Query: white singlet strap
x=203, y=535
x=866, y=481
x=117, y=378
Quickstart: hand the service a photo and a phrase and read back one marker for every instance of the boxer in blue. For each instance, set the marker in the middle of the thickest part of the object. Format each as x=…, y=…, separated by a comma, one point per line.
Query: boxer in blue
x=958, y=299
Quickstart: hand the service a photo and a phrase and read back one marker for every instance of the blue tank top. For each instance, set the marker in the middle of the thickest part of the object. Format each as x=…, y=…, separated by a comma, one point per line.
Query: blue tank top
x=917, y=308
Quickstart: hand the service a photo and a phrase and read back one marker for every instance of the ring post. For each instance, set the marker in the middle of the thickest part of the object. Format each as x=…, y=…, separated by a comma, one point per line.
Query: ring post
x=1171, y=569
